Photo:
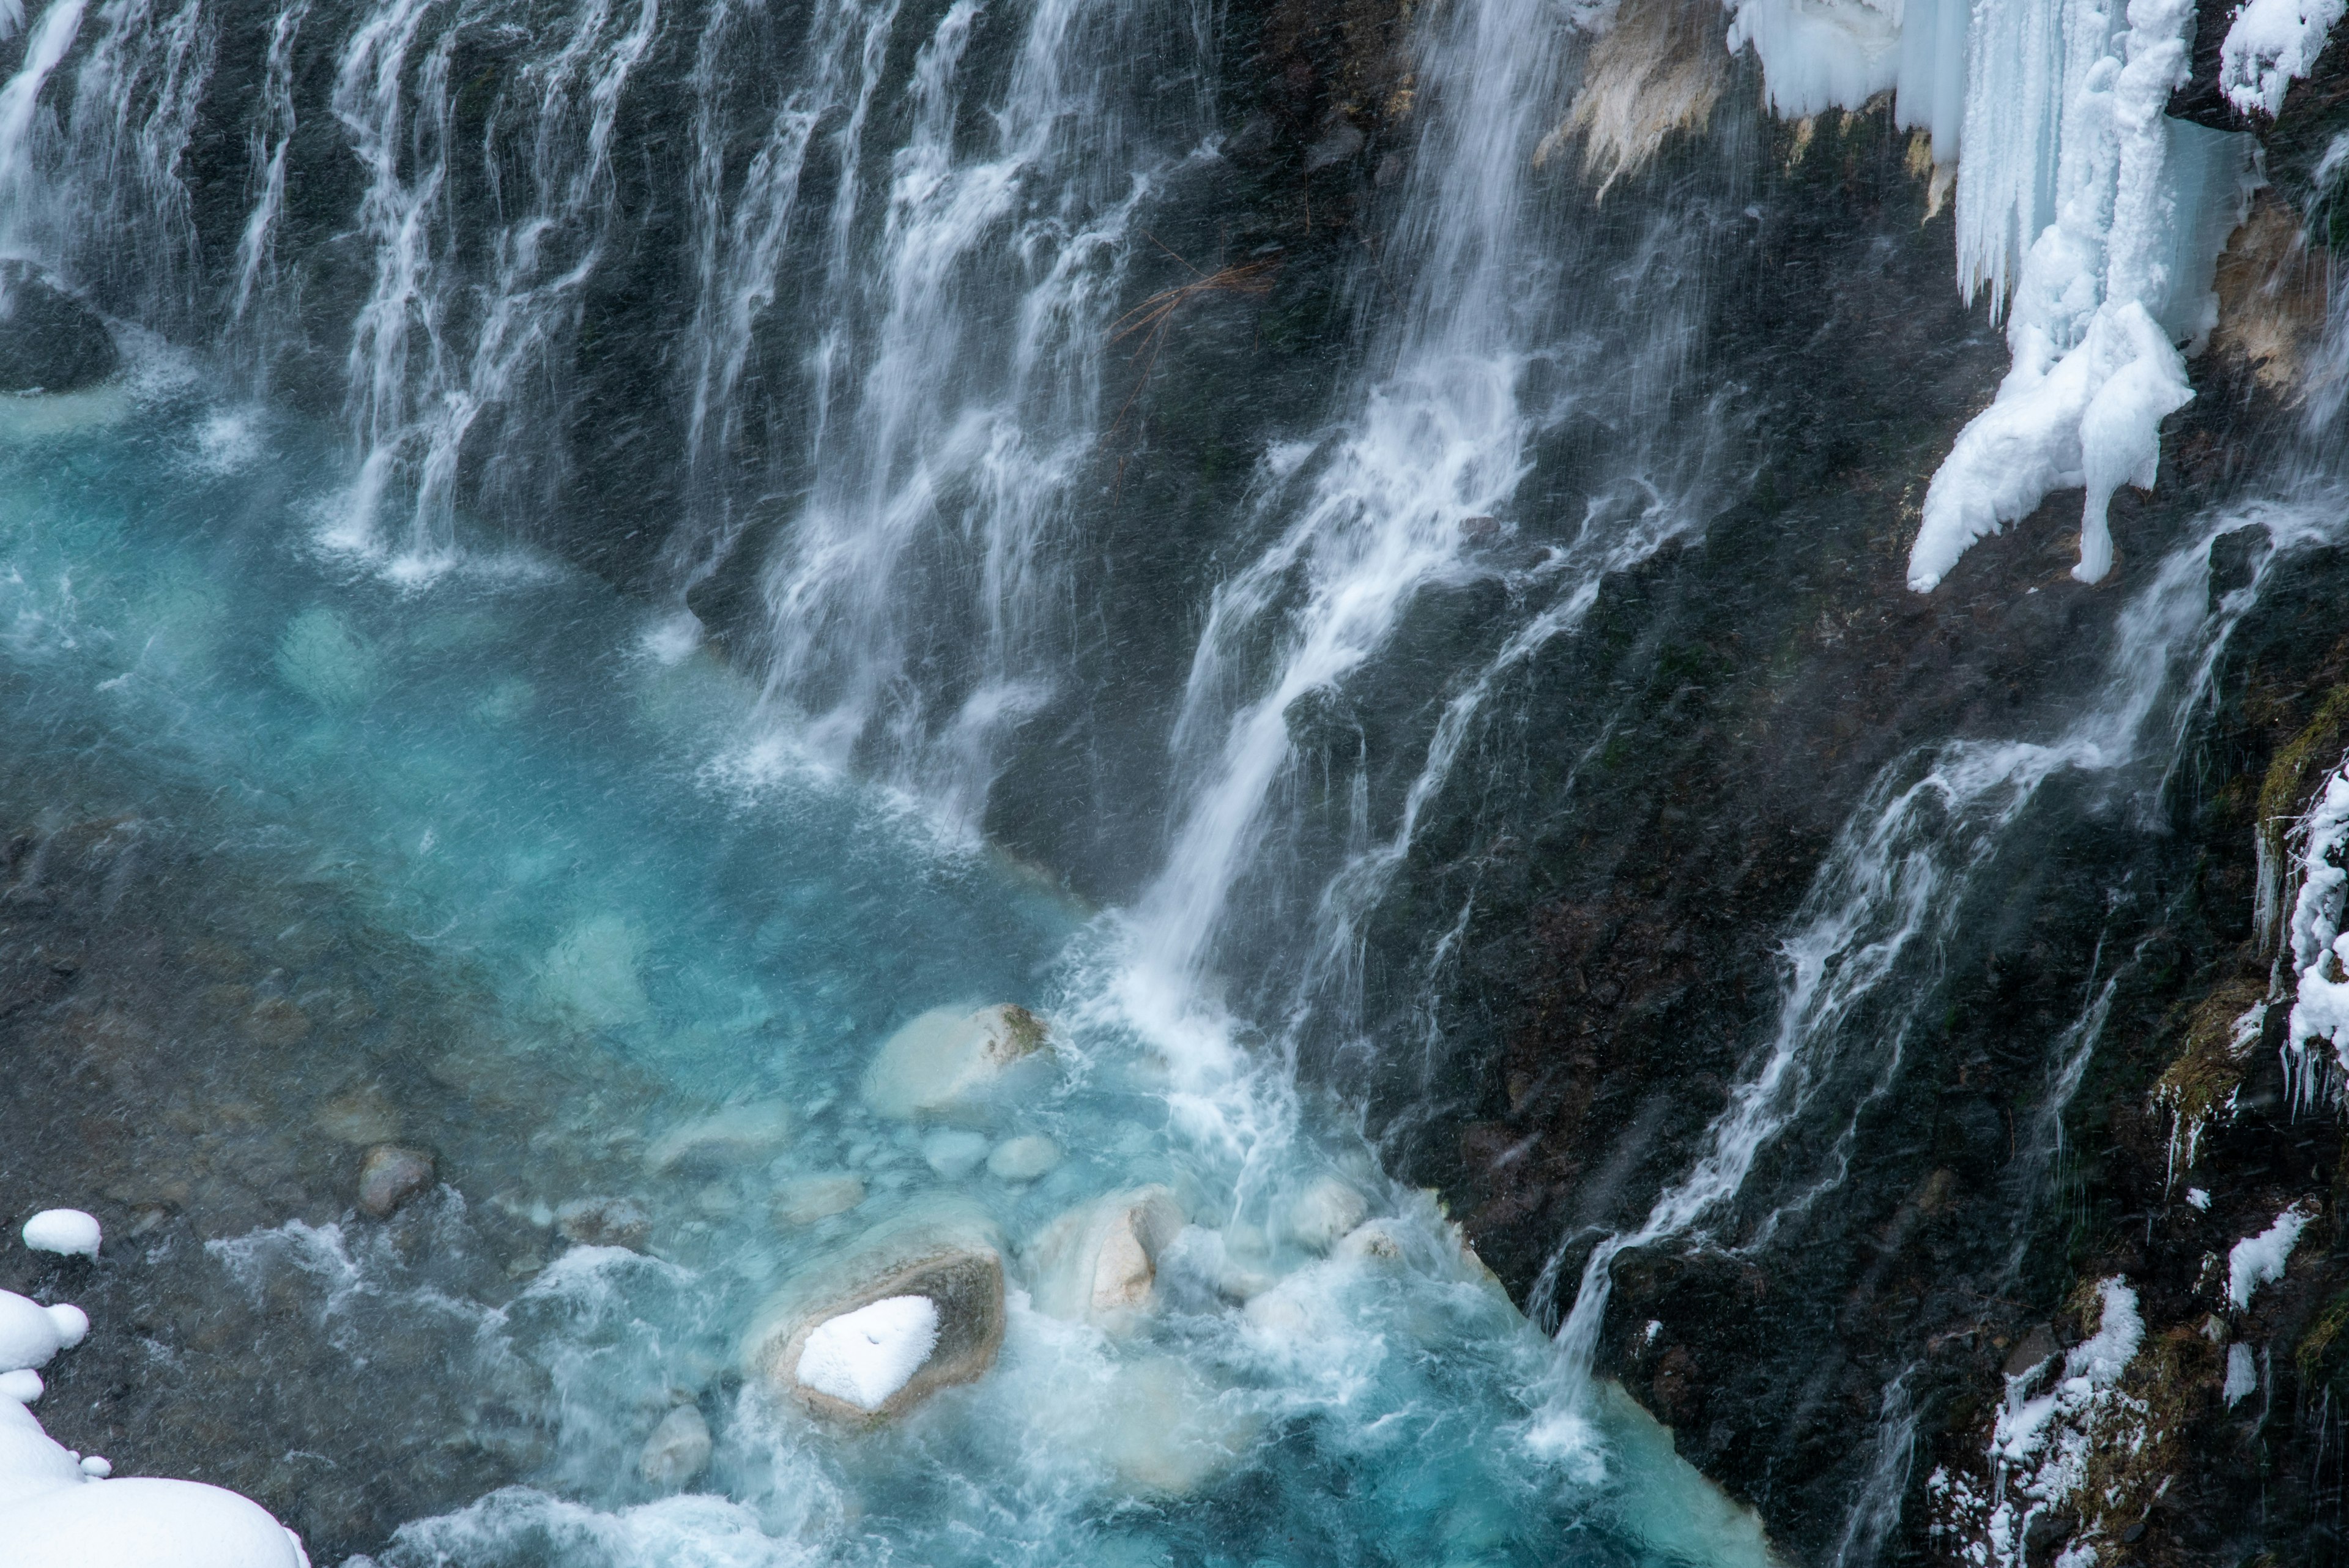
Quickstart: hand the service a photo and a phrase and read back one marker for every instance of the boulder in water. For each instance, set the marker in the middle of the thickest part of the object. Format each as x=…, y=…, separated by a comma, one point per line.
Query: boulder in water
x=880, y=1364
x=1325, y=1212
x=737, y=1136
x=953, y=1067
x=49, y=341
x=678, y=1450
x=605, y=1222
x=1023, y=1158
x=809, y=1199
x=1099, y=1263
x=391, y=1176
x=1167, y=1431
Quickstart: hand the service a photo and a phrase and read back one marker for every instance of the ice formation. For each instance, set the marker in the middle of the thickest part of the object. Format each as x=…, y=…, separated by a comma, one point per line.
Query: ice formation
x=67, y=1230
x=2320, y=1008
x=2269, y=44
x=2083, y=210
x=864, y=1356
x=2259, y=1259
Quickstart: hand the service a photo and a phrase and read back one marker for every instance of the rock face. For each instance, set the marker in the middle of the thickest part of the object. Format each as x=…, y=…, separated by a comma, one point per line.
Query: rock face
x=49, y=341
x=962, y=1067
x=1099, y=1263
x=942, y=1251
x=391, y=1176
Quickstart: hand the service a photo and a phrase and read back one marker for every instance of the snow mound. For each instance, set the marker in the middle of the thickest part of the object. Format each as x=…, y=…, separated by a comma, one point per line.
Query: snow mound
x=30, y=1333
x=67, y=1230
x=147, y=1523
x=864, y=1356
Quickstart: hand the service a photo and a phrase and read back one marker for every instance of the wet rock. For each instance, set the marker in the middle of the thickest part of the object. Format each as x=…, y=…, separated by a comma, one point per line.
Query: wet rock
x=1375, y=1244
x=737, y=1136
x=1099, y=1263
x=390, y=1175
x=49, y=341
x=678, y=1450
x=809, y=1199
x=952, y=1067
x=1166, y=1432
x=1023, y=1158
x=605, y=1222
x=1325, y=1212
x=944, y=1251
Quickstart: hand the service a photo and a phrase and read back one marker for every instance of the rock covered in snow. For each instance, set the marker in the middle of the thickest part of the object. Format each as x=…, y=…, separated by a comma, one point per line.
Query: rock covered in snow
x=49, y=341
x=1023, y=1158
x=30, y=1334
x=862, y=1357
x=605, y=1222
x=2260, y=1260
x=23, y=1386
x=65, y=1230
x=940, y=1248
x=1098, y=1263
x=147, y=1523
x=1325, y=1212
x=678, y=1450
x=952, y=1067
x=808, y=1199
x=390, y=1175
x=743, y=1135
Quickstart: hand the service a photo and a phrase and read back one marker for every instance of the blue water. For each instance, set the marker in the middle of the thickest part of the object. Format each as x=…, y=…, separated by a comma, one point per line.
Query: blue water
x=591, y=821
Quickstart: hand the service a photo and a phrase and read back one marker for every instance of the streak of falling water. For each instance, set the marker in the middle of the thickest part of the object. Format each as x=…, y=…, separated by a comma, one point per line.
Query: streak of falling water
x=944, y=453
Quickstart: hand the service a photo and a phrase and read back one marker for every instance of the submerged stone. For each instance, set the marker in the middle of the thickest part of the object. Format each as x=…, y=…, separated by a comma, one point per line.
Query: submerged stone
x=1325, y=1212
x=813, y=1198
x=736, y=1137
x=678, y=1450
x=1167, y=1431
x=1023, y=1158
x=1099, y=1263
x=944, y=1251
x=49, y=341
x=952, y=1067
x=605, y=1222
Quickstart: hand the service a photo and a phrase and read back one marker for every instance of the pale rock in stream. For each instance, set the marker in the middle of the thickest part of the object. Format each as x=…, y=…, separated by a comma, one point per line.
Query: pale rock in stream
x=1098, y=1263
x=678, y=1450
x=952, y=1067
x=941, y=1249
x=390, y=1175
x=1023, y=1158
x=1325, y=1212
x=737, y=1136
x=809, y=1199
x=1167, y=1431
x=954, y=1152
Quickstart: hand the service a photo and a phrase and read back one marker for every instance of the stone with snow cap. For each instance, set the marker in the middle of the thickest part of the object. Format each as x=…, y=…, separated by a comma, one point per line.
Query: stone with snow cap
x=68, y=1231
x=1098, y=1262
x=30, y=1334
x=143, y=1523
x=941, y=1248
x=948, y=1065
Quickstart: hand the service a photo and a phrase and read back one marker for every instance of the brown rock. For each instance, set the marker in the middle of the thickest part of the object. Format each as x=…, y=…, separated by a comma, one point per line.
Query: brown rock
x=390, y=1175
x=605, y=1222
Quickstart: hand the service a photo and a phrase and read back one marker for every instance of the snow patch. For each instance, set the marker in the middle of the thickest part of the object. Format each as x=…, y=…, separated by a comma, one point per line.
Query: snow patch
x=2260, y=1260
x=2269, y=45
x=862, y=1357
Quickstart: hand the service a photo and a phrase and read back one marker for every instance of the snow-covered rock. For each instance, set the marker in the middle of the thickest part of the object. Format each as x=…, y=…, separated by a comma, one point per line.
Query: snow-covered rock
x=2260, y=1260
x=952, y=1067
x=22, y=1385
x=737, y=1136
x=1098, y=1263
x=64, y=1230
x=147, y=1523
x=2269, y=44
x=1023, y=1158
x=940, y=1248
x=1323, y=1212
x=808, y=1199
x=863, y=1357
x=30, y=1334
x=678, y=1449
